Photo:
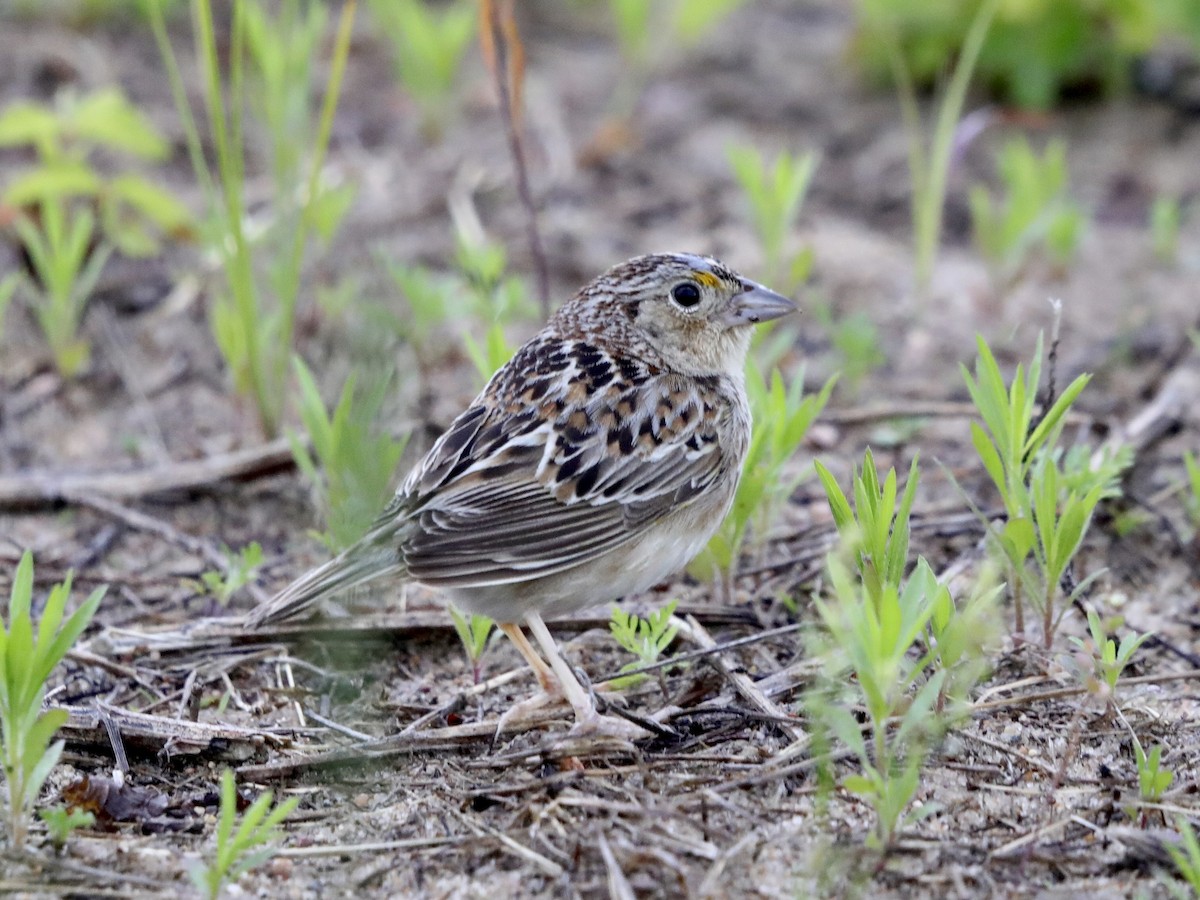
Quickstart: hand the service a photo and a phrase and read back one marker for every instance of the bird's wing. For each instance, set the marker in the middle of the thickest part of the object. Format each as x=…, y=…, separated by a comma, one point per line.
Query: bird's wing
x=523, y=489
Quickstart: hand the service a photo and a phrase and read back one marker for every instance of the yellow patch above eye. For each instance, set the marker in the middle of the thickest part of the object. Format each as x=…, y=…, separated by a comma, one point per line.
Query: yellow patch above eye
x=706, y=278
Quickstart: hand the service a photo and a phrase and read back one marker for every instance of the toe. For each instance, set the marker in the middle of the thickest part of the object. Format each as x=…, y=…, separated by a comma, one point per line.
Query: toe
x=596, y=725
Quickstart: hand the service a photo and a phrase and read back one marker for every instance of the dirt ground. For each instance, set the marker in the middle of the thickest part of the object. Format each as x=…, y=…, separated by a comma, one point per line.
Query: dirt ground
x=1034, y=791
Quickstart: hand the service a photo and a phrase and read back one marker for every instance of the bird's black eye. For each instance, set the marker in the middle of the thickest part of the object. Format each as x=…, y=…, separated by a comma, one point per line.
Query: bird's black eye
x=686, y=295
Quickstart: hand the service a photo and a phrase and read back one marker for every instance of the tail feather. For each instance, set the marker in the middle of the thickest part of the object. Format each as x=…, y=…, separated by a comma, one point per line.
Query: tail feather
x=365, y=561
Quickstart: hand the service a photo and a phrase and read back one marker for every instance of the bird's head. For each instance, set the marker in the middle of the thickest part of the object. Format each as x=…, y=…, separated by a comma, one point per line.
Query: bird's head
x=692, y=311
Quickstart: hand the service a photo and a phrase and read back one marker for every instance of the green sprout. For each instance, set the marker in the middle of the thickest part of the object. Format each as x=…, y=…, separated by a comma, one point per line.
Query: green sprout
x=958, y=631
x=240, y=567
x=866, y=643
x=644, y=638
x=1034, y=52
x=430, y=41
x=27, y=657
x=61, y=823
x=1153, y=779
x=491, y=353
x=644, y=26
x=856, y=340
x=1082, y=468
x=1107, y=659
x=430, y=299
x=872, y=619
x=495, y=299
x=1034, y=213
x=473, y=631
x=241, y=845
x=1164, y=228
x=782, y=415
x=71, y=216
x=877, y=523
x=1017, y=454
x=775, y=194
x=351, y=463
x=1192, y=495
x=59, y=243
x=1186, y=857
x=1061, y=518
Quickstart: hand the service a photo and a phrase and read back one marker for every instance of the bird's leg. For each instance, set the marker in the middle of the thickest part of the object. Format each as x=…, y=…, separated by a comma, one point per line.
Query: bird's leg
x=545, y=676
x=587, y=719
x=557, y=680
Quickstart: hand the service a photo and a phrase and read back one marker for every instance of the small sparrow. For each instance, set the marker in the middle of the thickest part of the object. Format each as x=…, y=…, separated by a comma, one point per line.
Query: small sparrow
x=597, y=462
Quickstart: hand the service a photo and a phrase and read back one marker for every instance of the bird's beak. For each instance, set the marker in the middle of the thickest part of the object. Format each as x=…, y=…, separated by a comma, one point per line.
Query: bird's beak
x=756, y=304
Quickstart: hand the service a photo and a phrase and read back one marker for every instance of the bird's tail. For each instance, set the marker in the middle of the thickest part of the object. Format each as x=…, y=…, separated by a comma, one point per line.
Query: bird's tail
x=367, y=560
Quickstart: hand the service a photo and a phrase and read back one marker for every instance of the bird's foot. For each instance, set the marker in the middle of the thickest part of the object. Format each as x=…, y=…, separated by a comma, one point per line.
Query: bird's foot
x=589, y=723
x=518, y=716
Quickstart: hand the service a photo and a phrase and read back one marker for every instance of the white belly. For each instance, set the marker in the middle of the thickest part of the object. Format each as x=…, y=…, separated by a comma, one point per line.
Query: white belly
x=660, y=552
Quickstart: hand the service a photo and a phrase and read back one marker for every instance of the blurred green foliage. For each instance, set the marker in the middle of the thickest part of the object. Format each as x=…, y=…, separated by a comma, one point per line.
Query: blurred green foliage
x=1036, y=50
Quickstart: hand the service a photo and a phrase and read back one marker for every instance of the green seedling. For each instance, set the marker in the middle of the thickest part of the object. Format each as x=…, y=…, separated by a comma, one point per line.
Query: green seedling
x=866, y=644
x=241, y=845
x=653, y=33
x=775, y=195
x=74, y=215
x=1033, y=214
x=351, y=463
x=253, y=314
x=1153, y=779
x=133, y=212
x=878, y=522
x=1164, y=228
x=644, y=26
x=491, y=353
x=873, y=619
x=495, y=299
x=61, y=823
x=1126, y=521
x=479, y=297
x=958, y=631
x=240, y=568
x=856, y=340
x=27, y=657
x=473, y=631
x=631, y=20
x=1061, y=518
x=1106, y=659
x=1191, y=500
x=430, y=41
x=66, y=269
x=782, y=415
x=644, y=638
x=929, y=157
x=1008, y=443
x=1083, y=469
x=430, y=298
x=8, y=287
x=1186, y=857
x=494, y=295
x=280, y=48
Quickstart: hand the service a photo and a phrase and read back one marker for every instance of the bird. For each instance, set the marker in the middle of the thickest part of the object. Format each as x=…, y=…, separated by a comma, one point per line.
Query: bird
x=597, y=462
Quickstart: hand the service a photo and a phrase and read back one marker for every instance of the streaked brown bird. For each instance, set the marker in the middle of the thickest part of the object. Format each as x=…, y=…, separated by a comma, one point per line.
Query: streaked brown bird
x=597, y=462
